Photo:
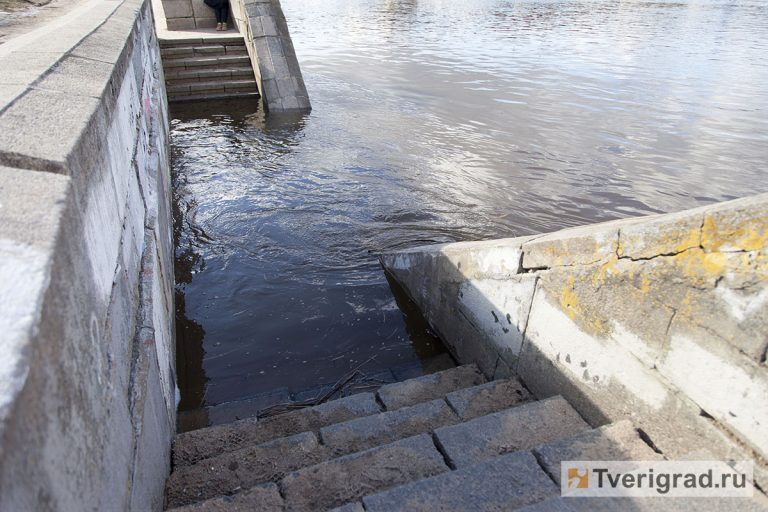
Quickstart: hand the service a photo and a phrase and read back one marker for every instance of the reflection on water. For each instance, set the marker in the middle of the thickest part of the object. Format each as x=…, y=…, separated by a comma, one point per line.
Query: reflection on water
x=438, y=121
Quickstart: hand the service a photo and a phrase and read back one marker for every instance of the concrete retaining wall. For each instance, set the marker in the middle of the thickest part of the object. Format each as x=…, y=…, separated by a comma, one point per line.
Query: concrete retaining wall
x=662, y=320
x=274, y=60
x=87, y=384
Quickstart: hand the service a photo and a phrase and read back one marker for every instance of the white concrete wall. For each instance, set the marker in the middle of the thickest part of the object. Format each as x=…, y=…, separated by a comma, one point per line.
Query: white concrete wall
x=87, y=378
x=662, y=320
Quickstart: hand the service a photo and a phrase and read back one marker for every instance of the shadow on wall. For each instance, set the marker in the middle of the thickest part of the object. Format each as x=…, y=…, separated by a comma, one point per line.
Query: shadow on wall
x=659, y=320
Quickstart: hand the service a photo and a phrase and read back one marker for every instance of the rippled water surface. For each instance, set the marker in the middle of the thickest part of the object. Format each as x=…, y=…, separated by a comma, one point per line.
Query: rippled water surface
x=438, y=121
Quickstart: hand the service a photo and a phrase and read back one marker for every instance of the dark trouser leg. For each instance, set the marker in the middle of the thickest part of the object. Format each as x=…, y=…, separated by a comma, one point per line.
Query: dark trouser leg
x=225, y=13
x=219, y=12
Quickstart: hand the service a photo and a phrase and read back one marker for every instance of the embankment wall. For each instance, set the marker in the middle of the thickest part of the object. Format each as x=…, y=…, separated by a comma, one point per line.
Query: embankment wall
x=662, y=320
x=87, y=384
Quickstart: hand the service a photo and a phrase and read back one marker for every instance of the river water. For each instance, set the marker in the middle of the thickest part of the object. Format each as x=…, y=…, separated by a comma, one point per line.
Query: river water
x=438, y=121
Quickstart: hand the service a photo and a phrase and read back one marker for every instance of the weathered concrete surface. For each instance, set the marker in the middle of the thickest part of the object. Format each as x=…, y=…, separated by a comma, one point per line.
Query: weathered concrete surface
x=659, y=319
x=191, y=447
x=87, y=400
x=618, y=441
x=262, y=498
x=472, y=295
x=364, y=433
x=349, y=478
x=519, y=428
x=242, y=469
x=499, y=484
x=484, y=399
x=269, y=43
x=429, y=387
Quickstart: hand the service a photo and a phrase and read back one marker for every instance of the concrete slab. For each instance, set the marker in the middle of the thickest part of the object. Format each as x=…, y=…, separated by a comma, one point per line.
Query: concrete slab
x=519, y=428
x=488, y=398
x=191, y=447
x=429, y=387
x=364, y=433
x=78, y=76
x=619, y=441
x=499, y=484
x=349, y=478
x=53, y=120
x=242, y=469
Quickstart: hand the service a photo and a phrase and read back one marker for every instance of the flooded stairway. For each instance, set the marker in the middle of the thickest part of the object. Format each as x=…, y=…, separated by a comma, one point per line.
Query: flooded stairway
x=207, y=67
x=445, y=441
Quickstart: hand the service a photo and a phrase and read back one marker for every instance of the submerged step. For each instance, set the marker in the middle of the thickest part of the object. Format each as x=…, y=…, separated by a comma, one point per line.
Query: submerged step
x=248, y=95
x=349, y=478
x=242, y=469
x=197, y=445
x=429, y=387
x=520, y=428
x=228, y=412
x=499, y=484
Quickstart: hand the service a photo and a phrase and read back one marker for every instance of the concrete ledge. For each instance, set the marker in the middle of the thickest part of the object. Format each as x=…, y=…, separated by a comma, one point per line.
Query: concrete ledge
x=660, y=319
x=87, y=393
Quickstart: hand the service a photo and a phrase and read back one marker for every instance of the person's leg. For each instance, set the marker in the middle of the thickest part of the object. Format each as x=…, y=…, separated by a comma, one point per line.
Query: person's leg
x=219, y=20
x=224, y=16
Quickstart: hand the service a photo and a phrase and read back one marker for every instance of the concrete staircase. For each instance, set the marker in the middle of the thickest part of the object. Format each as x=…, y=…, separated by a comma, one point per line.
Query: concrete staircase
x=207, y=68
x=448, y=441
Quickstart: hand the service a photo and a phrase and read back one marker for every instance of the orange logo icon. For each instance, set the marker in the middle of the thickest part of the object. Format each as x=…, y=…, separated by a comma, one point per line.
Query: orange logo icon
x=578, y=479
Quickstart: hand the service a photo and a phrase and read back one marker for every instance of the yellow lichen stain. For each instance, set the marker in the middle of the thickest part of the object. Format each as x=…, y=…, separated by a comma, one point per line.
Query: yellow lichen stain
x=645, y=285
x=751, y=236
x=568, y=300
x=570, y=304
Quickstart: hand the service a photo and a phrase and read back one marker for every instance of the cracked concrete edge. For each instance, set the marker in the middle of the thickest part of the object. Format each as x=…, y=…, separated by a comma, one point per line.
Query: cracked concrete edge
x=653, y=308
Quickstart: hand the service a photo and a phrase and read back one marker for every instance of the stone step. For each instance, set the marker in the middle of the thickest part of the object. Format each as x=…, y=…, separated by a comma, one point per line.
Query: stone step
x=178, y=52
x=230, y=472
x=262, y=498
x=429, y=387
x=501, y=483
x=202, y=41
x=349, y=478
x=216, y=96
x=197, y=445
x=246, y=467
x=207, y=74
x=206, y=62
x=190, y=447
x=494, y=396
x=618, y=441
x=364, y=433
x=520, y=428
x=194, y=87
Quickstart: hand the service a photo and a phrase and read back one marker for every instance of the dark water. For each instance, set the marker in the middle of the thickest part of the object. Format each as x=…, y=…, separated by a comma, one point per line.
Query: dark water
x=439, y=121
